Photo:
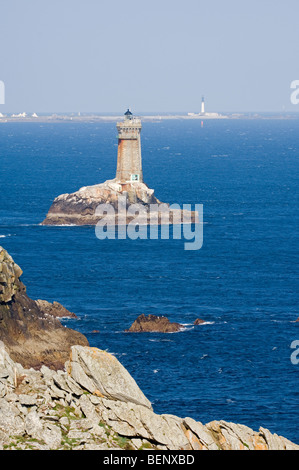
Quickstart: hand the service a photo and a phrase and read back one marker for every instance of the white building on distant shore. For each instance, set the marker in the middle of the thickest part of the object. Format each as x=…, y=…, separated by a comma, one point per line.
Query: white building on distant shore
x=205, y=115
x=19, y=115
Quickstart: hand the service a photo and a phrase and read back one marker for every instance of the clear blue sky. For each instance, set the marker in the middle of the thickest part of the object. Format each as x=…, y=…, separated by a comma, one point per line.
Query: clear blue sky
x=159, y=55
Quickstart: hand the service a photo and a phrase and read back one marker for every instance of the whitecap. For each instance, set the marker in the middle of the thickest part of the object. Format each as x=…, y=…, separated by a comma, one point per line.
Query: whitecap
x=219, y=155
x=186, y=328
x=62, y=225
x=204, y=356
x=161, y=340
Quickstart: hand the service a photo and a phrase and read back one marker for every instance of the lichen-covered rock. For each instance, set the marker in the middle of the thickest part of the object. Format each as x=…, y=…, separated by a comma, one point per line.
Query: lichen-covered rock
x=49, y=409
x=102, y=374
x=9, y=276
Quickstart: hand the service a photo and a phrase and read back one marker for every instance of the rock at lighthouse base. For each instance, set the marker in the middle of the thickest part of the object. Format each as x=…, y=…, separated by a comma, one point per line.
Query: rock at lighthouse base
x=82, y=206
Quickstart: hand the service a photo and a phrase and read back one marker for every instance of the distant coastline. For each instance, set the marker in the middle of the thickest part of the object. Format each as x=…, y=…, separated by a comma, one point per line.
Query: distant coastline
x=94, y=117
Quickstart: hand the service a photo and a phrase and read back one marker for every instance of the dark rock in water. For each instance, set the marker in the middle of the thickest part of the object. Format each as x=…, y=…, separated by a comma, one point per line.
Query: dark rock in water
x=153, y=323
x=55, y=309
x=32, y=336
x=199, y=321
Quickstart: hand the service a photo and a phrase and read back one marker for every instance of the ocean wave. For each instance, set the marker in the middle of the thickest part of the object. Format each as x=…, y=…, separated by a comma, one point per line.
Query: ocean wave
x=204, y=356
x=220, y=155
x=27, y=225
x=60, y=225
x=157, y=340
x=187, y=328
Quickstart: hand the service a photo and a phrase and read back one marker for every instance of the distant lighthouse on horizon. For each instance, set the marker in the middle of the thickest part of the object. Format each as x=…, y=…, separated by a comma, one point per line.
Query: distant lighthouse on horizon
x=202, y=105
x=204, y=115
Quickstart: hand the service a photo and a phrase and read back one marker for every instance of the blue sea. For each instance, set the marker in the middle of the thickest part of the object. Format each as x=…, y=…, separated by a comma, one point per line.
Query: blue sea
x=243, y=281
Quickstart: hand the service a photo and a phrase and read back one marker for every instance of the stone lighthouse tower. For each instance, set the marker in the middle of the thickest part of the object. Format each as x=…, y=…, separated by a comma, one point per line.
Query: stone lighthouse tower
x=129, y=166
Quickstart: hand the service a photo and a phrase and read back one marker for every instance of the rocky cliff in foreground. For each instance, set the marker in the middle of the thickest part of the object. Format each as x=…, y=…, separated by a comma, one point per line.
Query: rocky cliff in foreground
x=89, y=401
x=95, y=404
x=29, y=329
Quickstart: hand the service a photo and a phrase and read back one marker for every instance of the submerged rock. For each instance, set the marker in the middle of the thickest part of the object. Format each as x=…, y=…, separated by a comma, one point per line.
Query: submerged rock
x=153, y=323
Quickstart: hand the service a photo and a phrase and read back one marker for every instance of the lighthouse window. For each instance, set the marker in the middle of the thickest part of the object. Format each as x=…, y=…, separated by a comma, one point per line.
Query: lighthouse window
x=134, y=177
